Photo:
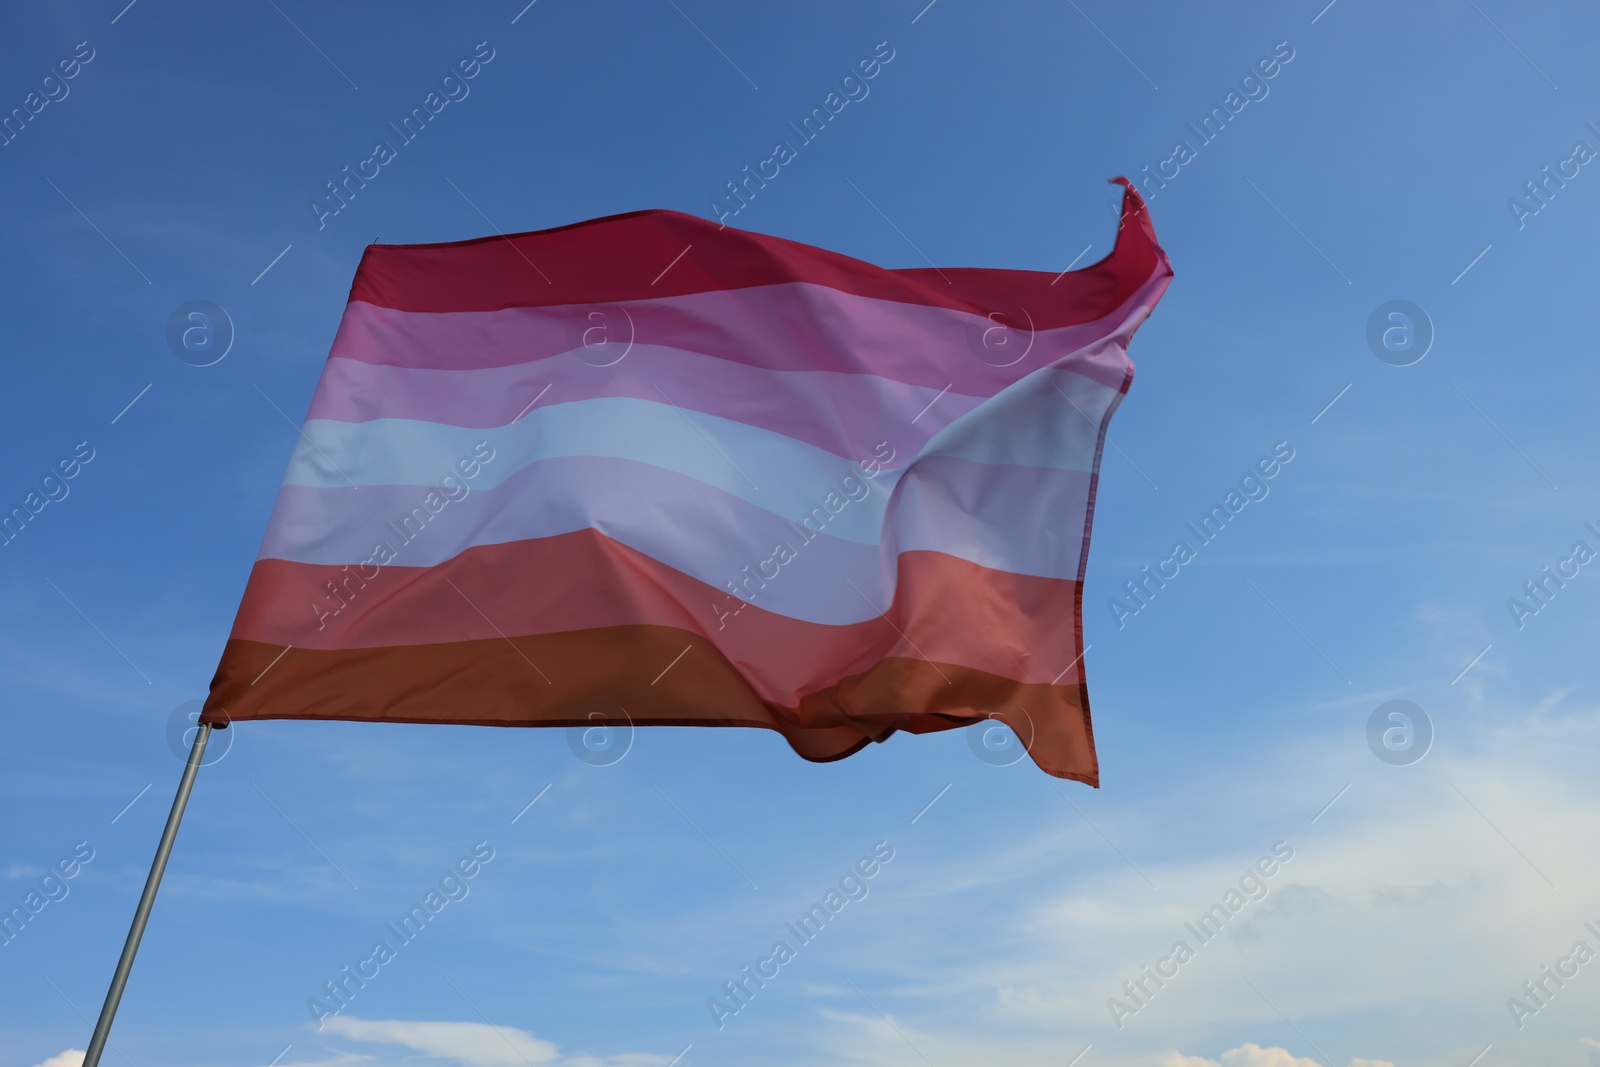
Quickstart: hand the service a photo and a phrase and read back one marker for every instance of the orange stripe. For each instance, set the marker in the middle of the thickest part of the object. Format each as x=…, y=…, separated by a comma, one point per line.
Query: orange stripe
x=945, y=609
x=559, y=679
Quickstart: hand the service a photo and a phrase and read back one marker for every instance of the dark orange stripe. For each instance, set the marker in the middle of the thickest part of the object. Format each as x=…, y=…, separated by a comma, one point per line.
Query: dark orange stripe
x=945, y=609
x=559, y=679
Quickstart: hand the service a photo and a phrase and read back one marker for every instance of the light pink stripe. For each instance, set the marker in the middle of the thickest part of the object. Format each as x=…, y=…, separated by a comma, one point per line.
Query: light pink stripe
x=791, y=327
x=847, y=414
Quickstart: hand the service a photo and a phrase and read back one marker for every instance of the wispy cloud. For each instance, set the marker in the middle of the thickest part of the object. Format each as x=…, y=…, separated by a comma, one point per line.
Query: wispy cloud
x=1362, y=904
x=477, y=1044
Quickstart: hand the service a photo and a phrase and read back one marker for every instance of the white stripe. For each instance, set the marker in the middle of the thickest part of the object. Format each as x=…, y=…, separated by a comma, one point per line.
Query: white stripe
x=1023, y=426
x=704, y=533
x=794, y=476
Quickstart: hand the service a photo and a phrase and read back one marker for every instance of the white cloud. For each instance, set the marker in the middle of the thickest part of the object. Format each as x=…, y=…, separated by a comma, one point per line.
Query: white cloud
x=856, y=1039
x=1250, y=1054
x=476, y=1044
x=1404, y=893
x=888, y=1042
x=70, y=1058
x=1173, y=1058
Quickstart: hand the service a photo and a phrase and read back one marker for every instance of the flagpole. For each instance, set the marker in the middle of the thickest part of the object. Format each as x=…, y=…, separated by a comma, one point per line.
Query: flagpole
x=141, y=915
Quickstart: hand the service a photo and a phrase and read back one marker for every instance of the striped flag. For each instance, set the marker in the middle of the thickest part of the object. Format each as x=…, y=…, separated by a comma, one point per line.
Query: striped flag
x=646, y=469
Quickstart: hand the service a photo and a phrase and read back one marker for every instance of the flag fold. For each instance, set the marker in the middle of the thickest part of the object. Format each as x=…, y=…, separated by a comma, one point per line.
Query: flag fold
x=647, y=470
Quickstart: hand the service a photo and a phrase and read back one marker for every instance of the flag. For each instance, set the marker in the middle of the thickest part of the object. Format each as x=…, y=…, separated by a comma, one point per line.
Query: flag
x=650, y=470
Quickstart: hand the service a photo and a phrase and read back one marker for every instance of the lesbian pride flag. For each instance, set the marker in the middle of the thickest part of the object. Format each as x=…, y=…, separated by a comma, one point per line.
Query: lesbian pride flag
x=649, y=470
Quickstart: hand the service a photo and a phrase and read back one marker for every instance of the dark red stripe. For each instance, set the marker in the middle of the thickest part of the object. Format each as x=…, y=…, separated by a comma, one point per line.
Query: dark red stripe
x=643, y=255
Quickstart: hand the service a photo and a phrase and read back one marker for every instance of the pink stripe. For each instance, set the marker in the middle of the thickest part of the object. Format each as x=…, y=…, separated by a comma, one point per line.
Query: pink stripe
x=792, y=327
x=847, y=414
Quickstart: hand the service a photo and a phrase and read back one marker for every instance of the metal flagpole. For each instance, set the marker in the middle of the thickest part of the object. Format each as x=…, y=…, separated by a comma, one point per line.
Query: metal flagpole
x=141, y=915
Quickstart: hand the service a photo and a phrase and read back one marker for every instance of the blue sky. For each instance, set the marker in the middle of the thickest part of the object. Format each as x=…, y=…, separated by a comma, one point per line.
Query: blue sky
x=178, y=164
